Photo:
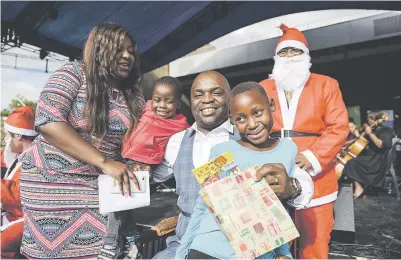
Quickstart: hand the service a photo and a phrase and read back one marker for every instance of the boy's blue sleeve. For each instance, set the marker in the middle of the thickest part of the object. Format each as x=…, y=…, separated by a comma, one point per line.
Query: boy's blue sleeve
x=284, y=249
x=192, y=229
x=193, y=226
x=294, y=157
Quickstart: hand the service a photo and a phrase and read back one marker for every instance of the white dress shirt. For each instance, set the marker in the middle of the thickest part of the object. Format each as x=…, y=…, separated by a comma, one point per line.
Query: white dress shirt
x=201, y=152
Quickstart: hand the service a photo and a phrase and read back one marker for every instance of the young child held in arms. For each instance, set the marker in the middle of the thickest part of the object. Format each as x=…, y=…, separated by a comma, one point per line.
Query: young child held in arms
x=144, y=147
x=251, y=112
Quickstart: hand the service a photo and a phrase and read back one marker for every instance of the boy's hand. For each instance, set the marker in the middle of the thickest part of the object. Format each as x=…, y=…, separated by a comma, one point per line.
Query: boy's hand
x=276, y=176
x=302, y=162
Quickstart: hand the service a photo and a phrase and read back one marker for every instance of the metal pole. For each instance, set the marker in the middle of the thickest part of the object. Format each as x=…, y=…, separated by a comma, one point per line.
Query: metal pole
x=15, y=64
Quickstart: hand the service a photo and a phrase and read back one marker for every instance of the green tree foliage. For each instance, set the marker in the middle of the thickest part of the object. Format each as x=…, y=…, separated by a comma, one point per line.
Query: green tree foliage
x=15, y=102
x=5, y=112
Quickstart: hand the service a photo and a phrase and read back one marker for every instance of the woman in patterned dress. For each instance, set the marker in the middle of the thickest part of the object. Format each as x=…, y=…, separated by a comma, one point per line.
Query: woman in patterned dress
x=84, y=111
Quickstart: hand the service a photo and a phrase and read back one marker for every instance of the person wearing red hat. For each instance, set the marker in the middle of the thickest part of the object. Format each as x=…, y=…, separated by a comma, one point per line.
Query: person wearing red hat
x=20, y=134
x=6, y=155
x=311, y=112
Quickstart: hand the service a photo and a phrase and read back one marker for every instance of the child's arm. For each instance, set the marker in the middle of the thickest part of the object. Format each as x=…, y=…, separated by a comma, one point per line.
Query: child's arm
x=294, y=152
x=193, y=226
x=283, y=252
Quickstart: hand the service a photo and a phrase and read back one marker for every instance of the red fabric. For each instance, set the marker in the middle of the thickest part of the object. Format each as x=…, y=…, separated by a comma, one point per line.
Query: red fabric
x=2, y=162
x=147, y=143
x=22, y=117
x=291, y=34
x=321, y=110
x=11, y=204
x=315, y=225
x=10, y=195
x=10, y=240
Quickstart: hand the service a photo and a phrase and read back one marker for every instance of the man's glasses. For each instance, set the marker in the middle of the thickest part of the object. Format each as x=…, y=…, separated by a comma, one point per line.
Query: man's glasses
x=290, y=52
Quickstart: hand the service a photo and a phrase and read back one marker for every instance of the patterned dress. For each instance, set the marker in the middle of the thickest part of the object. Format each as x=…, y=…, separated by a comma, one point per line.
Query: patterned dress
x=60, y=193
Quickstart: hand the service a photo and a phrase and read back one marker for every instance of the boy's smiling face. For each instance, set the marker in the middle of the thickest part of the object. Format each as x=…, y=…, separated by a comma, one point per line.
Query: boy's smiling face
x=251, y=114
x=164, y=101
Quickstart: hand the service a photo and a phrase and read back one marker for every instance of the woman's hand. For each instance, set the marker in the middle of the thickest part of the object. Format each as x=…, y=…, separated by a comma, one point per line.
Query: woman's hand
x=120, y=172
x=137, y=166
x=276, y=176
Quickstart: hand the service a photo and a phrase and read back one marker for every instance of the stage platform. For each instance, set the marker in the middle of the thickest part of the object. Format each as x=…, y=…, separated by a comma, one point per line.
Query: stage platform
x=377, y=229
x=377, y=225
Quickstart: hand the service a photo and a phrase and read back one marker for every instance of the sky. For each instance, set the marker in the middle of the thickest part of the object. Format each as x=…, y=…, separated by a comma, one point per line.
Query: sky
x=29, y=76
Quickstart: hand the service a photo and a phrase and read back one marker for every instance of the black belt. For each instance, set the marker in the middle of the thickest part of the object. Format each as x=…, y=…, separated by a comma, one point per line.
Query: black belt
x=291, y=133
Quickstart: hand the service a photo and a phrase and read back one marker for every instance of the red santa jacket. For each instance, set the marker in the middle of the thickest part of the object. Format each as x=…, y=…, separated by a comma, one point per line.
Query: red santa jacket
x=10, y=194
x=2, y=161
x=12, y=217
x=318, y=107
x=147, y=143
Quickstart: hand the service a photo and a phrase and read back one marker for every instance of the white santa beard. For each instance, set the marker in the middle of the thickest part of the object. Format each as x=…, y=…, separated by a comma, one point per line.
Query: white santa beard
x=291, y=73
x=9, y=156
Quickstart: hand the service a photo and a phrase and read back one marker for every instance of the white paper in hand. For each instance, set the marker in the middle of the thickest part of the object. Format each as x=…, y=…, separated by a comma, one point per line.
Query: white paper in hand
x=109, y=201
x=142, y=180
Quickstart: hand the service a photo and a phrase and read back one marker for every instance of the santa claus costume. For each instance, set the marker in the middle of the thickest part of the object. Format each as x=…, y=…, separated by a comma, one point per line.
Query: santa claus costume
x=21, y=122
x=310, y=111
x=7, y=157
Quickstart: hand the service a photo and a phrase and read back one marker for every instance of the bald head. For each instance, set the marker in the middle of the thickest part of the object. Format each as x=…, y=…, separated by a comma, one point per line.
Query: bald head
x=209, y=100
x=211, y=78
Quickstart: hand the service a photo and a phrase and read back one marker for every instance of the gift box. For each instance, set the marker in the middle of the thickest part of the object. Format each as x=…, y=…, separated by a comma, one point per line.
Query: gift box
x=249, y=213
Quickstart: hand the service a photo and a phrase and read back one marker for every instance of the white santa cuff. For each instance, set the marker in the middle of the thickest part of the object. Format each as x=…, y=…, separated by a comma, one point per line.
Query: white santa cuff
x=306, y=182
x=19, y=131
x=314, y=161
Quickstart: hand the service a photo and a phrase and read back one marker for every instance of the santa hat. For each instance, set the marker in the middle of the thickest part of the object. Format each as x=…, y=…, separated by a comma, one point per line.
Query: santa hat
x=291, y=38
x=21, y=121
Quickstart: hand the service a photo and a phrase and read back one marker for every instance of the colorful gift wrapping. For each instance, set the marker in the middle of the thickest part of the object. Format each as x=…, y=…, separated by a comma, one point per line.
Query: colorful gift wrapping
x=248, y=212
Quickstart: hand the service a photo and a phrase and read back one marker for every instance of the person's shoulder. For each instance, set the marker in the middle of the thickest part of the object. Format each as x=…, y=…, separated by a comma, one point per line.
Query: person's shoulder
x=267, y=83
x=177, y=137
x=388, y=130
x=179, y=121
x=222, y=147
x=72, y=68
x=328, y=82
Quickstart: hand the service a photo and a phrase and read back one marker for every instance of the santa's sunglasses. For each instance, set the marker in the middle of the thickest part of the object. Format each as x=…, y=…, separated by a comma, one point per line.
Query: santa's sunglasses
x=289, y=52
x=12, y=135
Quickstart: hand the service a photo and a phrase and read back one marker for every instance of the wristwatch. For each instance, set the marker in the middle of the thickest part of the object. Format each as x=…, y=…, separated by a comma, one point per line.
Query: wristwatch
x=297, y=187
